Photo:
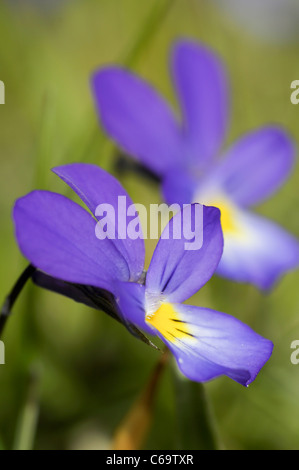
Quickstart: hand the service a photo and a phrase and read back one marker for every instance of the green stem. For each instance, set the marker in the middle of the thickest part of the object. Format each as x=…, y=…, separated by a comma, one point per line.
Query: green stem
x=13, y=295
x=27, y=423
x=44, y=143
x=152, y=23
x=196, y=423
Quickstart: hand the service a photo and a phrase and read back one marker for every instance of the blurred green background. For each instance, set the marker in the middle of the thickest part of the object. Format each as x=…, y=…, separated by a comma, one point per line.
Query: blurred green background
x=87, y=369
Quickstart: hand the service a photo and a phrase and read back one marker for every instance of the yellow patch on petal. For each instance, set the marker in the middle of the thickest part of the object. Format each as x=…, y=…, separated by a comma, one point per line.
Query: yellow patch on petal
x=167, y=321
x=228, y=221
x=231, y=215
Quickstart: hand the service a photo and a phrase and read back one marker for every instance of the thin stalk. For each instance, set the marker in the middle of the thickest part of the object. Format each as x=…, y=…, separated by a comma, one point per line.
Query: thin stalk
x=13, y=295
x=150, y=27
x=44, y=142
x=27, y=423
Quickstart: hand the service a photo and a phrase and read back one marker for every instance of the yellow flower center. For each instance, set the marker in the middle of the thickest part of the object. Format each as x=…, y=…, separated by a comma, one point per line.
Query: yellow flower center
x=228, y=216
x=166, y=320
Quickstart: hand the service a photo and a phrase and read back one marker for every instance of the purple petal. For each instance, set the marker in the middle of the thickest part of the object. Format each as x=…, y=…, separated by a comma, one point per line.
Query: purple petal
x=260, y=254
x=201, y=83
x=178, y=273
x=255, y=167
x=95, y=186
x=137, y=118
x=179, y=187
x=131, y=301
x=219, y=345
x=58, y=237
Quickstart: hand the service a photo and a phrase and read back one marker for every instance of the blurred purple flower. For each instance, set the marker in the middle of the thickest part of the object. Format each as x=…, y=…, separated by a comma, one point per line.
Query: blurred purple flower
x=58, y=237
x=182, y=155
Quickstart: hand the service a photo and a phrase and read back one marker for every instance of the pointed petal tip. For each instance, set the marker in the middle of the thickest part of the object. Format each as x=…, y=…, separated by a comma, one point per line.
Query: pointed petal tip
x=267, y=355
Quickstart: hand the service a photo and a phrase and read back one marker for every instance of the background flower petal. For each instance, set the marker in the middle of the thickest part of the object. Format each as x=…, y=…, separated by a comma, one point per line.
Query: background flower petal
x=58, y=237
x=95, y=186
x=221, y=345
x=179, y=187
x=261, y=254
x=137, y=118
x=201, y=83
x=255, y=166
x=179, y=273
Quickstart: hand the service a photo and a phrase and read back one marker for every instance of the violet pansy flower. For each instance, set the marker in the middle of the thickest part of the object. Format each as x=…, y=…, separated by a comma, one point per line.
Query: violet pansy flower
x=58, y=237
x=182, y=153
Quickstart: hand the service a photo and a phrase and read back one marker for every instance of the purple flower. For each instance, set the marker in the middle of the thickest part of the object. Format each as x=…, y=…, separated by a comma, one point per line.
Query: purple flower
x=182, y=153
x=58, y=237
